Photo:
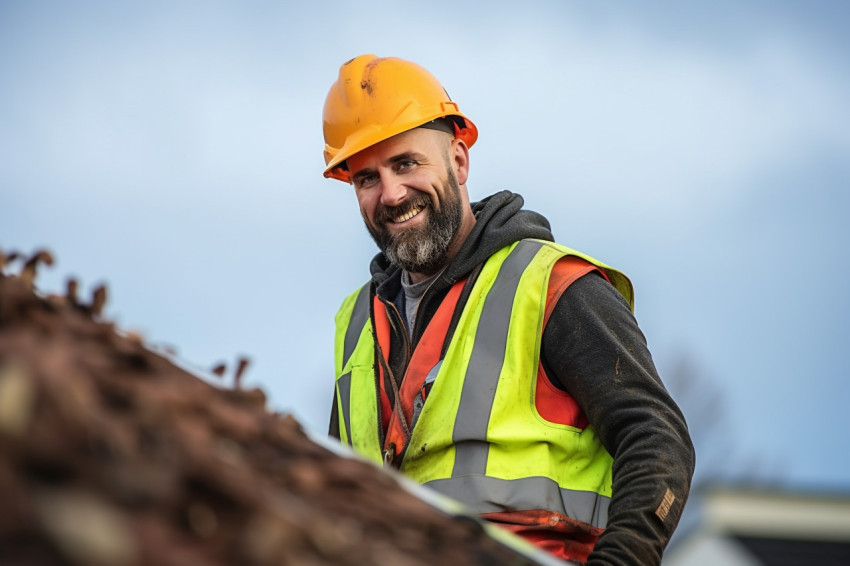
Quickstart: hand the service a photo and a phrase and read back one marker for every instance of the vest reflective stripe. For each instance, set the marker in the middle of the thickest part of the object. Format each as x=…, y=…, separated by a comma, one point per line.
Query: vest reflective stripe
x=469, y=483
x=359, y=317
x=484, y=494
x=343, y=385
x=479, y=437
x=358, y=314
x=482, y=374
x=355, y=383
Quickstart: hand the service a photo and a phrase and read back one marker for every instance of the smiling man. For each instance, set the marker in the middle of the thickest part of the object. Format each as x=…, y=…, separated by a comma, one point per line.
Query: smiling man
x=410, y=197
x=482, y=359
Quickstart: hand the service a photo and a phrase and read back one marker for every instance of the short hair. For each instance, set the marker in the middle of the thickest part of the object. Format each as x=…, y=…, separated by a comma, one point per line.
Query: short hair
x=444, y=124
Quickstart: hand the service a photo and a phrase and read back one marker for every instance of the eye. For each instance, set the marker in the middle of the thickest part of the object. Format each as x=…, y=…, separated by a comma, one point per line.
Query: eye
x=365, y=181
x=405, y=165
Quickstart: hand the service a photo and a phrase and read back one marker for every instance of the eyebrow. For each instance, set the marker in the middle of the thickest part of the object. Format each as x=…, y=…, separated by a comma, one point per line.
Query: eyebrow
x=406, y=156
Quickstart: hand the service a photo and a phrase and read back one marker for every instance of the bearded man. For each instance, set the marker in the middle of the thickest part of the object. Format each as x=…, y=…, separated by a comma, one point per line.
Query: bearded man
x=482, y=359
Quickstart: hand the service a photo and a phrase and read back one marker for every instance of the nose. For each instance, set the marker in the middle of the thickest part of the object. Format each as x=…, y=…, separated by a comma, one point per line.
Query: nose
x=393, y=191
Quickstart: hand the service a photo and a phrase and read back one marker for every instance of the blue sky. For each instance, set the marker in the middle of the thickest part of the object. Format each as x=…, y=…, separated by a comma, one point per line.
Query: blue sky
x=173, y=150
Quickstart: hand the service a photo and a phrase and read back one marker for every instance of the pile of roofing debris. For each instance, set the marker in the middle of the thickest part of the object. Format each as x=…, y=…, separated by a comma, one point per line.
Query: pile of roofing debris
x=112, y=454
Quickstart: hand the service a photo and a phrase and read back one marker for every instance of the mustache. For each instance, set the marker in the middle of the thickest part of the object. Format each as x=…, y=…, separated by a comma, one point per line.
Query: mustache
x=385, y=214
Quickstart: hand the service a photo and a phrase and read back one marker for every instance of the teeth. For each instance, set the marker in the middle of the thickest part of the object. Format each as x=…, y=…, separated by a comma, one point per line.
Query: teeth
x=408, y=215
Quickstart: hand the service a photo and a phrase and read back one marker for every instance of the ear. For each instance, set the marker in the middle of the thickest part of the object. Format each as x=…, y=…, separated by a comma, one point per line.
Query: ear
x=460, y=160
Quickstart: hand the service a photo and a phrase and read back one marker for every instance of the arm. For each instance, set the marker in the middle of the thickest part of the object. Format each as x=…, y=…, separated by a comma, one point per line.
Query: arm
x=593, y=349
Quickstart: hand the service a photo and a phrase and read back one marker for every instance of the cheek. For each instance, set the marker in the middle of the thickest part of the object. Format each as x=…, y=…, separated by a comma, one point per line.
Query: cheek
x=367, y=200
x=440, y=193
x=424, y=184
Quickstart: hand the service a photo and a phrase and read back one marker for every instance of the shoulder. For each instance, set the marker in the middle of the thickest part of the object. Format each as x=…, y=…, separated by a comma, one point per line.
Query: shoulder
x=591, y=292
x=353, y=303
x=581, y=297
x=570, y=265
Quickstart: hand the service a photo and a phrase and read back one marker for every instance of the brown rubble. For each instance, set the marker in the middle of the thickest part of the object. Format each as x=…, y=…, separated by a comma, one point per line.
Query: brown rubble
x=110, y=454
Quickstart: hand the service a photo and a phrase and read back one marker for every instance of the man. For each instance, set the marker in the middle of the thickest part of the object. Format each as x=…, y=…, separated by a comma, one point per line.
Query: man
x=482, y=359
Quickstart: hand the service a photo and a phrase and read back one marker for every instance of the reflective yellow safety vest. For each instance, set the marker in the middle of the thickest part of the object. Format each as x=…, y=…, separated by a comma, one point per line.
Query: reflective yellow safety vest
x=479, y=437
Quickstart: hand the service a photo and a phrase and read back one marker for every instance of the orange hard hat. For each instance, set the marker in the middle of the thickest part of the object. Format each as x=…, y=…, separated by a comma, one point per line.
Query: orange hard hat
x=375, y=98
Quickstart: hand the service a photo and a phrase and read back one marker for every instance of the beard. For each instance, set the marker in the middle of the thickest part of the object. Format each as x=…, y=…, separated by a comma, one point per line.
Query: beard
x=423, y=249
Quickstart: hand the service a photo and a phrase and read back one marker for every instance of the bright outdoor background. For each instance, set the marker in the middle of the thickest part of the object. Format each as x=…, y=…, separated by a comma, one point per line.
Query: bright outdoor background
x=173, y=150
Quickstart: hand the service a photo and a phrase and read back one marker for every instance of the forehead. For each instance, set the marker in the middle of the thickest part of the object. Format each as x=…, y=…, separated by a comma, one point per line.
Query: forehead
x=422, y=141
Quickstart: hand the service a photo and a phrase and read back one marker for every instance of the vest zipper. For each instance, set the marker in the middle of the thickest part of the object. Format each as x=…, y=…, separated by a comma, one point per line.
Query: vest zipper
x=377, y=369
x=408, y=340
x=399, y=322
x=396, y=322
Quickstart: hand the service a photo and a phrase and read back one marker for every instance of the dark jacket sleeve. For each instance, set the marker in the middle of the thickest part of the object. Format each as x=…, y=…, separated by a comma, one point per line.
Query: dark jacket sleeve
x=594, y=350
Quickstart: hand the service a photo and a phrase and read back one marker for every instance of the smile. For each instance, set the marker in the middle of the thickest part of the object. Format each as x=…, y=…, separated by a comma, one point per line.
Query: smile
x=407, y=215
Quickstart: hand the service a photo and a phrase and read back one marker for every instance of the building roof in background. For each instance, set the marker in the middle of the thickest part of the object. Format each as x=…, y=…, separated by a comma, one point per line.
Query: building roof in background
x=756, y=527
